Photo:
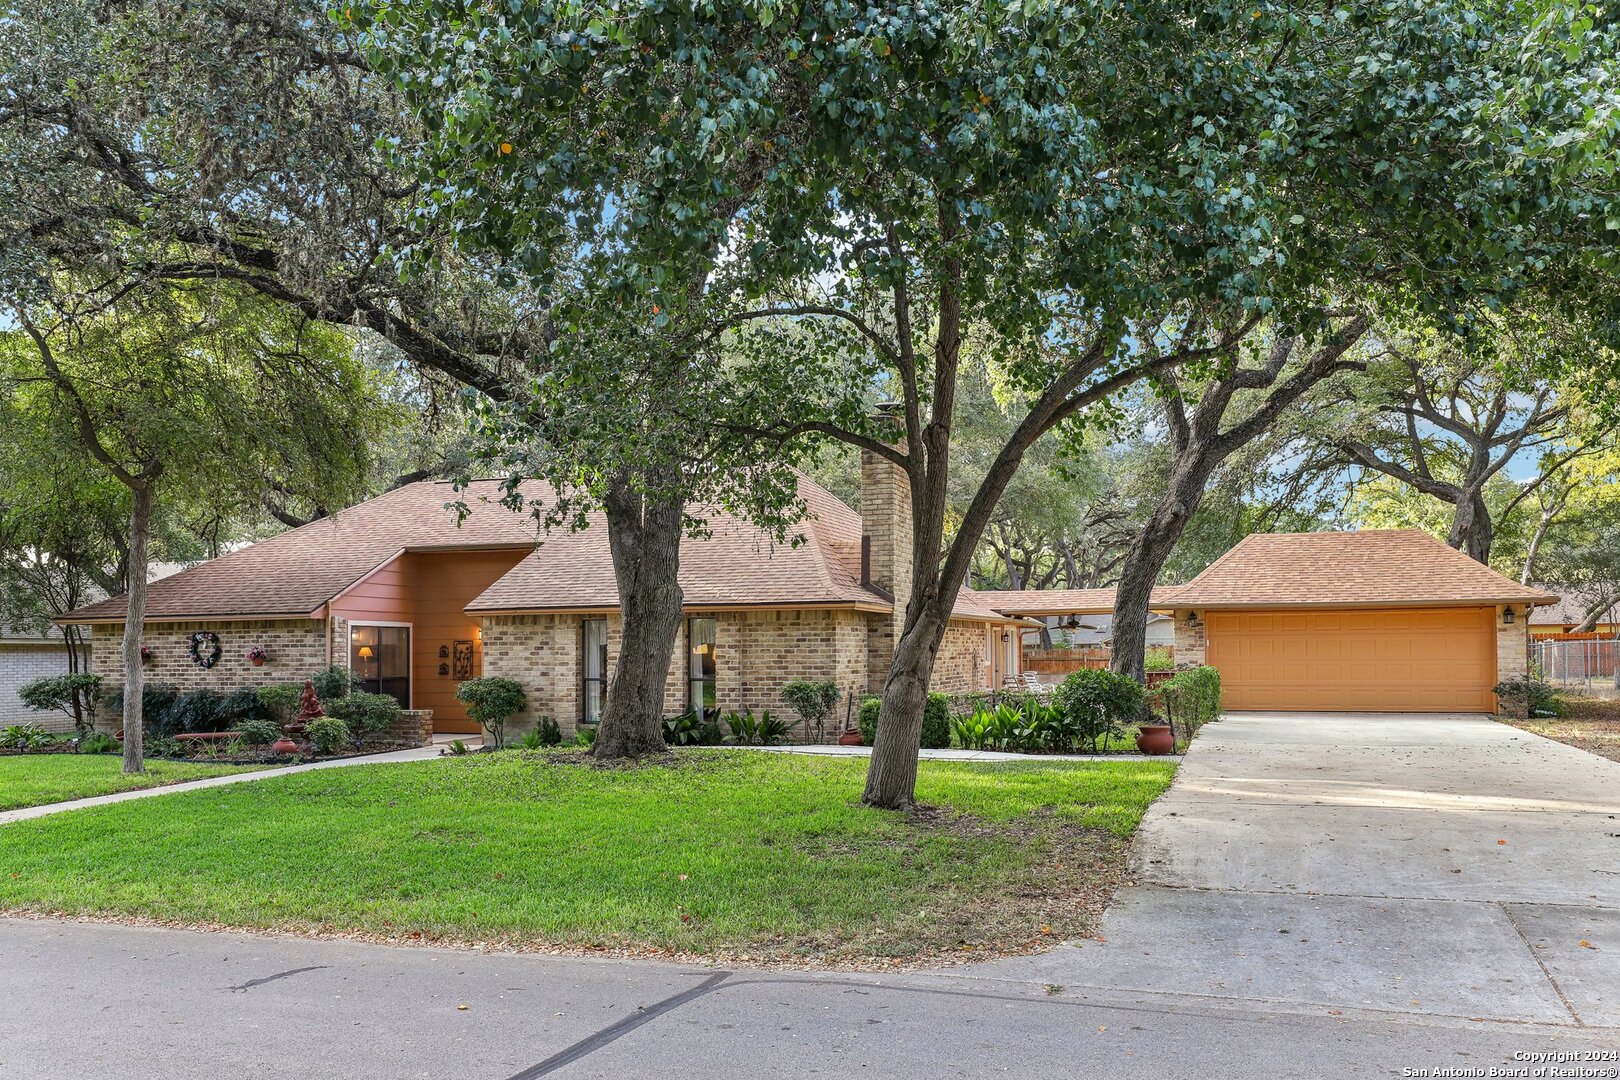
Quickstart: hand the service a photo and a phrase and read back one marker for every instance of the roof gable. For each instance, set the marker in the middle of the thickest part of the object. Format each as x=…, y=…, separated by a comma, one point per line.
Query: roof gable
x=1374, y=567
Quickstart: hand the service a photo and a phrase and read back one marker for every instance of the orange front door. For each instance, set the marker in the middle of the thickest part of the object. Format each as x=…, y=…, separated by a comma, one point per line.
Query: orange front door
x=1356, y=660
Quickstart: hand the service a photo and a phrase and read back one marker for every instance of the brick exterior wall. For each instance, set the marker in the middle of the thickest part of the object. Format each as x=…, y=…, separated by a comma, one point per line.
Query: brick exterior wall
x=1191, y=646
x=959, y=667
x=297, y=649
x=21, y=664
x=414, y=727
x=1512, y=646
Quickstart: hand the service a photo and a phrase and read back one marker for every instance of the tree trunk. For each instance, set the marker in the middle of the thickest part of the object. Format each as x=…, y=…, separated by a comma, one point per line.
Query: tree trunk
x=140, y=528
x=644, y=534
x=891, y=780
x=1148, y=553
x=1471, y=527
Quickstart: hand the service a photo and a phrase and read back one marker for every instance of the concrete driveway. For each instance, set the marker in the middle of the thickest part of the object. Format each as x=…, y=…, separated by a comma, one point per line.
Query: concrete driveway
x=1448, y=866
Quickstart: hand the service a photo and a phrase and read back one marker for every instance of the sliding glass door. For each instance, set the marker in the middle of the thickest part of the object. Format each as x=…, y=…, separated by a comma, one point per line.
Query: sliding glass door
x=380, y=657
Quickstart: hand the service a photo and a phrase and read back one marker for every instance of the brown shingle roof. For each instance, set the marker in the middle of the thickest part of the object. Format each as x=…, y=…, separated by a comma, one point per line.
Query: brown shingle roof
x=1374, y=567
x=1572, y=606
x=1063, y=601
x=294, y=573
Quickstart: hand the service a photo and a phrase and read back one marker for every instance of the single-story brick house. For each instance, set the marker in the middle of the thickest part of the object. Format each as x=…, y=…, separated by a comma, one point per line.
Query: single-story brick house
x=1377, y=620
x=414, y=603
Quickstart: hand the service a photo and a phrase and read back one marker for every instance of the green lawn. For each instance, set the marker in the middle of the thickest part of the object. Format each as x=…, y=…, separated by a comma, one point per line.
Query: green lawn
x=726, y=852
x=37, y=779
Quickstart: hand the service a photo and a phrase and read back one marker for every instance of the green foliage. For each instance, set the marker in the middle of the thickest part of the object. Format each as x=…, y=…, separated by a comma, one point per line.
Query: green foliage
x=1096, y=703
x=688, y=729
x=366, y=714
x=492, y=701
x=868, y=719
x=936, y=723
x=531, y=741
x=73, y=695
x=1192, y=698
x=744, y=729
x=260, y=732
x=1531, y=696
x=327, y=734
x=814, y=701
x=157, y=701
x=585, y=736
x=99, y=742
x=548, y=731
x=199, y=711
x=1159, y=659
x=281, y=701
x=457, y=747
x=333, y=683
x=24, y=737
x=240, y=707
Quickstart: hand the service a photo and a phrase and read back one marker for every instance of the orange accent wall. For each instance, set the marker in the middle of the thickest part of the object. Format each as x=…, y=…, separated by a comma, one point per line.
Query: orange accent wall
x=430, y=590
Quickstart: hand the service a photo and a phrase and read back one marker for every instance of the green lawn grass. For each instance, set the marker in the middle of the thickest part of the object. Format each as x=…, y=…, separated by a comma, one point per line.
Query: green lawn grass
x=37, y=779
x=726, y=852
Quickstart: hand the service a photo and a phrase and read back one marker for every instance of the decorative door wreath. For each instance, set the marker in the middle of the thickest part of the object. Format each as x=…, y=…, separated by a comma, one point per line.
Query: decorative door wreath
x=204, y=648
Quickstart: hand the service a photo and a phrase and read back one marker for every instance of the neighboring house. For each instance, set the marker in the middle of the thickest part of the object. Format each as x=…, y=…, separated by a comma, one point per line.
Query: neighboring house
x=1378, y=620
x=1570, y=612
x=26, y=655
x=414, y=604
x=1077, y=617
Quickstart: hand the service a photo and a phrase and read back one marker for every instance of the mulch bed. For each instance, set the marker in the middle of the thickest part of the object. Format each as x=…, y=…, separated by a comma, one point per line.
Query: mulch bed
x=1592, y=724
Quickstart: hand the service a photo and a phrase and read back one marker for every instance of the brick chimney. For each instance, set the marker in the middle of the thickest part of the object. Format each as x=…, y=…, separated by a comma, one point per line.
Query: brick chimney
x=885, y=556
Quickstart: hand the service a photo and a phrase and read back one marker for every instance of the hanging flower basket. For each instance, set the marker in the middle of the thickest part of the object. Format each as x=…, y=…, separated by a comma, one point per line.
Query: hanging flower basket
x=258, y=655
x=146, y=654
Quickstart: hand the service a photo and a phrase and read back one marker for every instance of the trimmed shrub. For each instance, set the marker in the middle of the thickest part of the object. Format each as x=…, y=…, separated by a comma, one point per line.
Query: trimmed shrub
x=869, y=719
x=550, y=734
x=492, y=701
x=936, y=723
x=365, y=713
x=327, y=734
x=157, y=701
x=241, y=707
x=1095, y=703
x=260, y=732
x=281, y=701
x=1191, y=698
x=198, y=711
x=333, y=683
x=1529, y=695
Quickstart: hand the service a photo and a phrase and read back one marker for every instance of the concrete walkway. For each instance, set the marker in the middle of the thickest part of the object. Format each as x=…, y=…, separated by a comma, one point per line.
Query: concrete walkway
x=1392, y=864
x=417, y=753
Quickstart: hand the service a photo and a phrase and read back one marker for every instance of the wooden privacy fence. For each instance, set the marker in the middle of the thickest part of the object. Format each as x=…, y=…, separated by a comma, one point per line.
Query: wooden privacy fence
x=1063, y=661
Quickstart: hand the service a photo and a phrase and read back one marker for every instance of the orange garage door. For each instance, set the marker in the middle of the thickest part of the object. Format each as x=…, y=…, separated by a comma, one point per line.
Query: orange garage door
x=1358, y=660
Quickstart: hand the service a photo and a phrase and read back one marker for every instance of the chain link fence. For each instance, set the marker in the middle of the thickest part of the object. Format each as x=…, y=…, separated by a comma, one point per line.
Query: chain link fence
x=1588, y=666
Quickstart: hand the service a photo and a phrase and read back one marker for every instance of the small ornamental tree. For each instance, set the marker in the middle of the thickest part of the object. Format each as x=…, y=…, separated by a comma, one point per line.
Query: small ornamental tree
x=814, y=701
x=492, y=701
x=72, y=695
x=1096, y=702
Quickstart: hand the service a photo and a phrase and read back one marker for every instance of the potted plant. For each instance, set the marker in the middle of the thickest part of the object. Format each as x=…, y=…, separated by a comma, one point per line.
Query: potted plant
x=258, y=655
x=146, y=654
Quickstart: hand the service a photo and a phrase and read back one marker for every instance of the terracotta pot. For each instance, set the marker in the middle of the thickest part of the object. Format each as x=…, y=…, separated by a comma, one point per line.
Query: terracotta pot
x=1156, y=739
x=258, y=661
x=850, y=738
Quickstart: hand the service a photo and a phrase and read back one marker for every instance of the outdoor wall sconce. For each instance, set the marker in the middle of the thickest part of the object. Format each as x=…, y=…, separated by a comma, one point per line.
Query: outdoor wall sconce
x=1507, y=616
x=1192, y=619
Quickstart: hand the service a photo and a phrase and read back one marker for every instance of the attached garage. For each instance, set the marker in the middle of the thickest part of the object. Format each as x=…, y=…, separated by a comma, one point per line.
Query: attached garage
x=1361, y=660
x=1375, y=621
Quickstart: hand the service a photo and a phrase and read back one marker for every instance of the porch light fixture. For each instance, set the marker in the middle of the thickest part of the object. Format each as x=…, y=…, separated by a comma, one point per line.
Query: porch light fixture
x=1507, y=616
x=1192, y=619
